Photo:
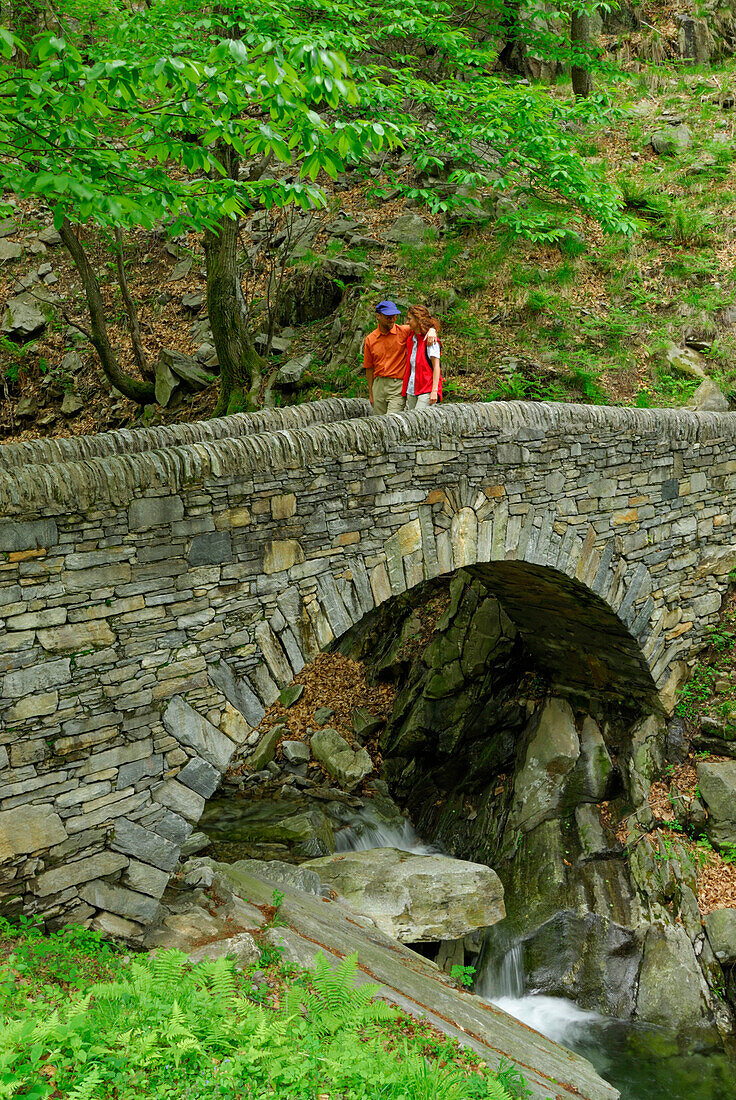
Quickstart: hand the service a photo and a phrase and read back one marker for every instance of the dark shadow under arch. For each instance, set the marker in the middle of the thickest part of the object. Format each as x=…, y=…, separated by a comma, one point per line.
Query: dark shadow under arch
x=575, y=636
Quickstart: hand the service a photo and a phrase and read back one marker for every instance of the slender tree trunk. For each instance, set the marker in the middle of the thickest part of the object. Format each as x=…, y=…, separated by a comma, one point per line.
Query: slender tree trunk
x=581, y=36
x=241, y=366
x=142, y=392
x=132, y=313
x=26, y=20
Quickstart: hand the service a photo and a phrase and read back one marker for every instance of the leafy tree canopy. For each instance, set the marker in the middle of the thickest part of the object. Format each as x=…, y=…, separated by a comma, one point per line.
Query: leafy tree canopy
x=121, y=117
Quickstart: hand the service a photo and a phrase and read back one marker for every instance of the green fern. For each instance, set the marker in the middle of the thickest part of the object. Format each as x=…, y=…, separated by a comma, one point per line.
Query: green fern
x=86, y=1089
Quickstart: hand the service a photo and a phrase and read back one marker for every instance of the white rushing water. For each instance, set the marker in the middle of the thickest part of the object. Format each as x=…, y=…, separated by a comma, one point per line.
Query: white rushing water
x=556, y=1017
x=362, y=837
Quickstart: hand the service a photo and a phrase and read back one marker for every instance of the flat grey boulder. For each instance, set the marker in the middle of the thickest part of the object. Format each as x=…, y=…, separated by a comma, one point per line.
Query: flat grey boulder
x=709, y=397
x=24, y=317
x=685, y=361
x=717, y=783
x=290, y=375
x=348, y=766
x=671, y=141
x=10, y=250
x=186, y=369
x=242, y=948
x=720, y=926
x=415, y=899
x=408, y=229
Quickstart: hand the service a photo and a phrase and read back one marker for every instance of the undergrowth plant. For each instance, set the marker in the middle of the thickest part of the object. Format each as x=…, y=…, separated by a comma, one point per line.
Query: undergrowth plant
x=162, y=1028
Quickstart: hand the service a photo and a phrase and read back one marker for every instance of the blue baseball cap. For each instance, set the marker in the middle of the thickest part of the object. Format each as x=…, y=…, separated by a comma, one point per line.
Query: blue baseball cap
x=388, y=309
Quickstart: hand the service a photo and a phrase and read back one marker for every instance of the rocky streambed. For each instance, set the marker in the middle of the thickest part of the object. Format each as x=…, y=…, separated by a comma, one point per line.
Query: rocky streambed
x=557, y=868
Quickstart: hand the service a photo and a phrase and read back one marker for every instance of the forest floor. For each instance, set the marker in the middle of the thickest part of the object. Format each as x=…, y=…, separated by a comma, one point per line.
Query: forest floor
x=589, y=320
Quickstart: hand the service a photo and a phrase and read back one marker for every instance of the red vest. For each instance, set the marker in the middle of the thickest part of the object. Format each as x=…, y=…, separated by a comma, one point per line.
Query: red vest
x=422, y=368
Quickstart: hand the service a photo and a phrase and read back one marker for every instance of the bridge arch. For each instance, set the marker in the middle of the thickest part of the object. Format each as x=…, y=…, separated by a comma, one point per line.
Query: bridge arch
x=158, y=588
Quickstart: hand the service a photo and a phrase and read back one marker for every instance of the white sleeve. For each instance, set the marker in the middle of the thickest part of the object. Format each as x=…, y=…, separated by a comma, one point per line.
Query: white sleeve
x=433, y=350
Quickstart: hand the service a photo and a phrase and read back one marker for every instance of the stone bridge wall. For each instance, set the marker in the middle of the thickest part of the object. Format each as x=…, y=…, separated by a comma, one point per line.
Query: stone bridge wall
x=158, y=587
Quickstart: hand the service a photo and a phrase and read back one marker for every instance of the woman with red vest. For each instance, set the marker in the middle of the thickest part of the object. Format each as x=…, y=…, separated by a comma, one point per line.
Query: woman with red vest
x=422, y=379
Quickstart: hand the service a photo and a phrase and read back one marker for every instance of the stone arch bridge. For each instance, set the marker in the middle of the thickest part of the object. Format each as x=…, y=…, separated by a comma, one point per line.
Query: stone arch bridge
x=159, y=586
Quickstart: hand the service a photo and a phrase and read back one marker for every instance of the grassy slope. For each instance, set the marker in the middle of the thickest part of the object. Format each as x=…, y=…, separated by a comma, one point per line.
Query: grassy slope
x=528, y=321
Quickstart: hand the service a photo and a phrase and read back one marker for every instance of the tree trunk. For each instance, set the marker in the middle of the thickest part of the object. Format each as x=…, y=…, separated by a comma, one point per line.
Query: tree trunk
x=142, y=392
x=26, y=20
x=133, y=327
x=581, y=37
x=240, y=364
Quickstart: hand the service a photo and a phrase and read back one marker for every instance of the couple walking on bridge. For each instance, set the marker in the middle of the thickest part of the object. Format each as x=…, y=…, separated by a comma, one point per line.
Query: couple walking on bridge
x=402, y=362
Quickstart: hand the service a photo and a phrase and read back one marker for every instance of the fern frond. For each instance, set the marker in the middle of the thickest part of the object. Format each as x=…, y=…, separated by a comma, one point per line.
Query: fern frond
x=85, y=1090
x=496, y=1091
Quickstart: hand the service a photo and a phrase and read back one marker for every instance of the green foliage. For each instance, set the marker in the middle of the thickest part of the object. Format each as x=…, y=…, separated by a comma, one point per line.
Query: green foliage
x=126, y=126
x=463, y=975
x=160, y=1027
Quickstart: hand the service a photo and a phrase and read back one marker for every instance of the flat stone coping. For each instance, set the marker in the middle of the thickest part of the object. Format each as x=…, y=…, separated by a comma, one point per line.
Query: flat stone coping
x=78, y=484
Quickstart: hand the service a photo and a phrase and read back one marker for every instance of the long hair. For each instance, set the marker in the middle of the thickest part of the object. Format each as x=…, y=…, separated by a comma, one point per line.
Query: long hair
x=424, y=317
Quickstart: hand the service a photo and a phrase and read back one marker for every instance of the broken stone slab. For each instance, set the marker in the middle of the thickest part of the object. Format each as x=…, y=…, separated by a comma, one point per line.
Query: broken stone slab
x=717, y=783
x=415, y=899
x=8, y=226
x=279, y=345
x=197, y=842
x=671, y=141
x=365, y=725
x=295, y=752
x=72, y=404
x=348, y=271
x=290, y=375
x=10, y=250
x=186, y=369
x=192, y=302
x=322, y=715
x=265, y=750
x=291, y=695
x=408, y=229
x=49, y=236
x=720, y=927
x=344, y=226
x=25, y=316
x=181, y=269
x=709, y=397
x=348, y=766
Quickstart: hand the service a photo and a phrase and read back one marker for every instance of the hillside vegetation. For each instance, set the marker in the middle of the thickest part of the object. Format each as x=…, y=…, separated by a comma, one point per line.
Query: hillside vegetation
x=592, y=302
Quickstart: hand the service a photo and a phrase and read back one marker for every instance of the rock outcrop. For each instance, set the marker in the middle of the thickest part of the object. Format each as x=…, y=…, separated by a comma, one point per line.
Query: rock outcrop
x=415, y=898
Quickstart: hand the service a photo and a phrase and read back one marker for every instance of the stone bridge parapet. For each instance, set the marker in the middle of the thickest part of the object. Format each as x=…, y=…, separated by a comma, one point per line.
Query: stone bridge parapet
x=158, y=588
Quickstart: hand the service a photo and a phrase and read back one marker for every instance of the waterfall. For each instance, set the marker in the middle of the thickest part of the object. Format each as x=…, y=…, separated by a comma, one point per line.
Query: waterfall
x=363, y=835
x=502, y=984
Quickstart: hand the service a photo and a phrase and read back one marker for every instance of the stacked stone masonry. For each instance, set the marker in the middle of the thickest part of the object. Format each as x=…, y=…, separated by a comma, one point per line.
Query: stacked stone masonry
x=158, y=588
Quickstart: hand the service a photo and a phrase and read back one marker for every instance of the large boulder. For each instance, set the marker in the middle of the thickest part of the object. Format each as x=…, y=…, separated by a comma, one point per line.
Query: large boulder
x=586, y=958
x=685, y=361
x=709, y=397
x=347, y=765
x=415, y=898
x=671, y=991
x=408, y=229
x=552, y=751
x=717, y=783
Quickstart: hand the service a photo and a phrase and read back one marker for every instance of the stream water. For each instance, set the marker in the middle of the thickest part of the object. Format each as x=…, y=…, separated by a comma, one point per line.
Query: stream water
x=644, y=1063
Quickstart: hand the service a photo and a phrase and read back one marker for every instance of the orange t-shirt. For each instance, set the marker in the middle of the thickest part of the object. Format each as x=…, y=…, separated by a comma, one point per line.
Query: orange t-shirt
x=385, y=354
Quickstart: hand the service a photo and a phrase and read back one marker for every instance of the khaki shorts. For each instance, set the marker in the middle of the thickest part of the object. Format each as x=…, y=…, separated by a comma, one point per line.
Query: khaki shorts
x=387, y=395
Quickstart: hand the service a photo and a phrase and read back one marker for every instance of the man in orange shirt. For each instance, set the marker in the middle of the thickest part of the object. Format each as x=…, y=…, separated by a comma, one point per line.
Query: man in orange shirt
x=384, y=359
